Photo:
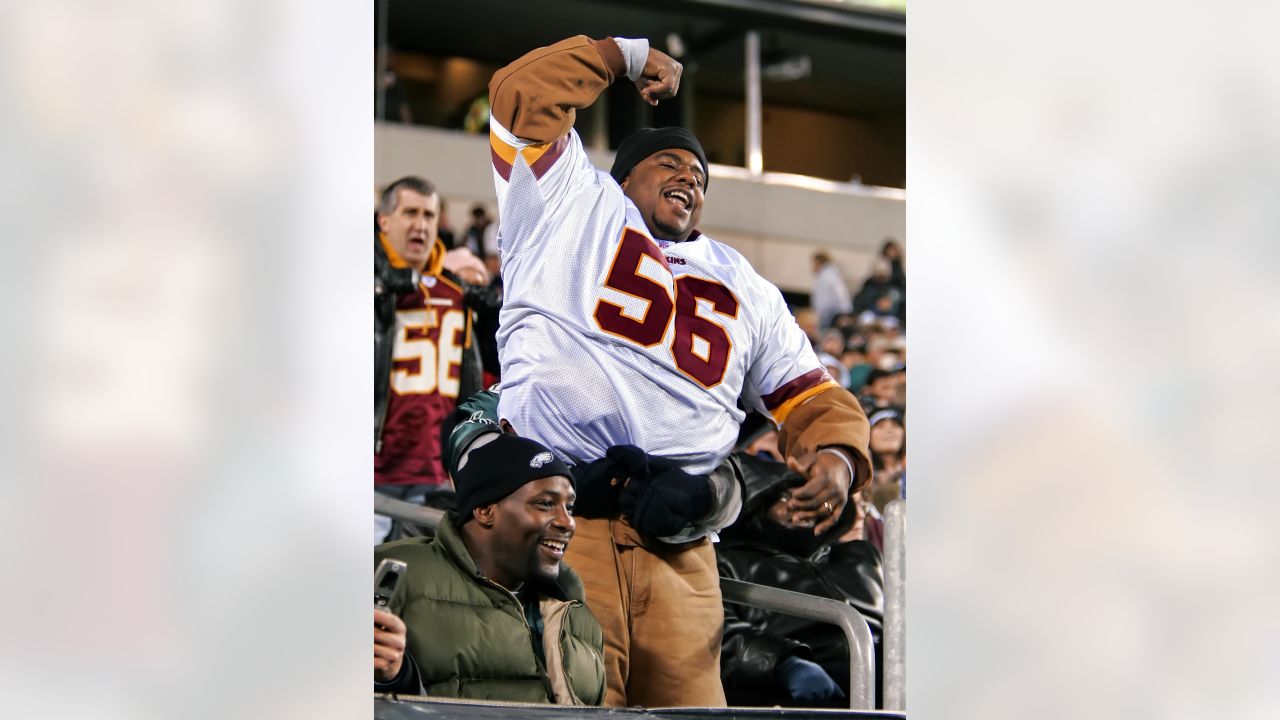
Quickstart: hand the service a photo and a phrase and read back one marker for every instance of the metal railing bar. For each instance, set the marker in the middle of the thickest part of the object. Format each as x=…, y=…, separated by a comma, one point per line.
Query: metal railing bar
x=861, y=651
x=895, y=605
x=407, y=512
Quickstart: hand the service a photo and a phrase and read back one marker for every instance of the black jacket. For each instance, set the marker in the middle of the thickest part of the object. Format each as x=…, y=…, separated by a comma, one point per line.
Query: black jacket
x=389, y=283
x=755, y=640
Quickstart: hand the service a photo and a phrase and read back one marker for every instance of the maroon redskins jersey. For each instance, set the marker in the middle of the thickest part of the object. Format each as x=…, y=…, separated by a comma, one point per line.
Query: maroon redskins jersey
x=430, y=334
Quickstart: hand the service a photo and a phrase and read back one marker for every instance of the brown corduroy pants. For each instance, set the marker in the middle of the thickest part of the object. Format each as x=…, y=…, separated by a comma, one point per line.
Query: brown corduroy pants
x=661, y=612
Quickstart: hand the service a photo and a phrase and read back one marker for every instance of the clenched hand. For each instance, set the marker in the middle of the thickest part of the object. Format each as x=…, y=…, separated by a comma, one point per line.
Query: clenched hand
x=660, y=78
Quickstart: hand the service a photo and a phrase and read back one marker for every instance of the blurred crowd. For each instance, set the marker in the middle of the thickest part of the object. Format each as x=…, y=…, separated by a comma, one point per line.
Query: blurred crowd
x=860, y=338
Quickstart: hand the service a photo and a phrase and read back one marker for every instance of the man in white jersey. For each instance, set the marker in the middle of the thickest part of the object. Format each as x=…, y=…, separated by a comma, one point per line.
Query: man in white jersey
x=623, y=325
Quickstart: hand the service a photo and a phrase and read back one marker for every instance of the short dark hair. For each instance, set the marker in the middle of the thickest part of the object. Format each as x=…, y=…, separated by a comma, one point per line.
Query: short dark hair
x=821, y=256
x=388, y=200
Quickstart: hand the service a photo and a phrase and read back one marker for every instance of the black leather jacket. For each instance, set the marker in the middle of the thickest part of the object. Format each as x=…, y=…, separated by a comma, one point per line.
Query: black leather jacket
x=755, y=640
x=389, y=283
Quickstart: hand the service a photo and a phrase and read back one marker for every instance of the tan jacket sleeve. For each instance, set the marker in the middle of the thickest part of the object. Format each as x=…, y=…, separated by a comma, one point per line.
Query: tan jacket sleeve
x=536, y=97
x=832, y=418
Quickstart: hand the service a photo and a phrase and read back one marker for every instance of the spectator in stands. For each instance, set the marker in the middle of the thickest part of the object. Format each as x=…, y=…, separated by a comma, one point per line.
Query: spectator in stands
x=902, y=383
x=444, y=230
x=881, y=390
x=888, y=450
x=835, y=368
x=778, y=659
x=833, y=342
x=484, y=296
x=846, y=323
x=853, y=336
x=878, y=285
x=854, y=359
x=487, y=609
x=895, y=342
x=421, y=332
x=807, y=319
x=880, y=352
x=884, y=311
x=830, y=295
x=481, y=236
x=892, y=252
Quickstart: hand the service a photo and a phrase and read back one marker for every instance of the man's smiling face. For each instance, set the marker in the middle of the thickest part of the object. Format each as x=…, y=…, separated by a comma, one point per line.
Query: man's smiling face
x=533, y=527
x=667, y=189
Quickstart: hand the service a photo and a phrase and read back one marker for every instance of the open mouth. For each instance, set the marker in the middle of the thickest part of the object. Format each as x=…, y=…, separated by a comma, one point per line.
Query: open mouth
x=417, y=242
x=680, y=199
x=554, y=547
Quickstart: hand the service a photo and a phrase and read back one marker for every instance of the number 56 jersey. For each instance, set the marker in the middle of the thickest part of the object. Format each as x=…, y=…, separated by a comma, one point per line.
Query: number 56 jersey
x=609, y=337
x=431, y=331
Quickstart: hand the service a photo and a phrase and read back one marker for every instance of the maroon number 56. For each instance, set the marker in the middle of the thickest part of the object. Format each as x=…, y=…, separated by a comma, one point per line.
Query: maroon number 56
x=624, y=276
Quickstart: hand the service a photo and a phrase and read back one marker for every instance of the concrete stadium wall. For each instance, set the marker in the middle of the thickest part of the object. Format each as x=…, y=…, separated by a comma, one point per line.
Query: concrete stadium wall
x=776, y=223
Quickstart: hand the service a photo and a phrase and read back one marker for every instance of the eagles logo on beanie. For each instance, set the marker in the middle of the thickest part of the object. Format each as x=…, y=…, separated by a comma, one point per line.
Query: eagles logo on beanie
x=499, y=468
x=647, y=141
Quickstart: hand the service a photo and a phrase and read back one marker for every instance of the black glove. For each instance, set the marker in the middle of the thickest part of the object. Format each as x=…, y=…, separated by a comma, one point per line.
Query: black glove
x=597, y=484
x=806, y=680
x=659, y=498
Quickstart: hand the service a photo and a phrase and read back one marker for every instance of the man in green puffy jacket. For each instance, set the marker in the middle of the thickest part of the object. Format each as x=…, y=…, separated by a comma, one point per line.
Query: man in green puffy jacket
x=487, y=610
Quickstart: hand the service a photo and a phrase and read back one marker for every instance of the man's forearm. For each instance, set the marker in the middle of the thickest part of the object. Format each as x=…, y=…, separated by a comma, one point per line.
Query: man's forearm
x=536, y=97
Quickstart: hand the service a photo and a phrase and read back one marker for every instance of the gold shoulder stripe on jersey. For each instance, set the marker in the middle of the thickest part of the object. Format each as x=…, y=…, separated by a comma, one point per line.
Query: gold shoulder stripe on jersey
x=780, y=415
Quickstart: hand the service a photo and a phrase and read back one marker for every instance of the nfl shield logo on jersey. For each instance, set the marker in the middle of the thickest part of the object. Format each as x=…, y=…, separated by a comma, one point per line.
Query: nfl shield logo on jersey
x=540, y=459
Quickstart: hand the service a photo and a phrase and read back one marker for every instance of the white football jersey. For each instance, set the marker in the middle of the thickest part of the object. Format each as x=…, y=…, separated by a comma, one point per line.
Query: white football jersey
x=608, y=337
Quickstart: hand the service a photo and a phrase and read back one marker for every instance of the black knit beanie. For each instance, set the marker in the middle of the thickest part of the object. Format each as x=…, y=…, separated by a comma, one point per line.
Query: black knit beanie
x=647, y=141
x=500, y=467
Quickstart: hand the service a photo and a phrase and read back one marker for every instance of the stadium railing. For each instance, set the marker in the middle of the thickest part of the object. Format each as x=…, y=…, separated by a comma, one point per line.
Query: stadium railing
x=895, y=606
x=429, y=518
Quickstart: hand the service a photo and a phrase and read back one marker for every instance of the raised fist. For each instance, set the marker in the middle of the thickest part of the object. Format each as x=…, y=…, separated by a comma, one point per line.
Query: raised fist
x=660, y=78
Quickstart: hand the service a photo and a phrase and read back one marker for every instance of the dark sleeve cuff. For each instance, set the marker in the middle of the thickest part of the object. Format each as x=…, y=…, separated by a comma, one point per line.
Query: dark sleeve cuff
x=408, y=682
